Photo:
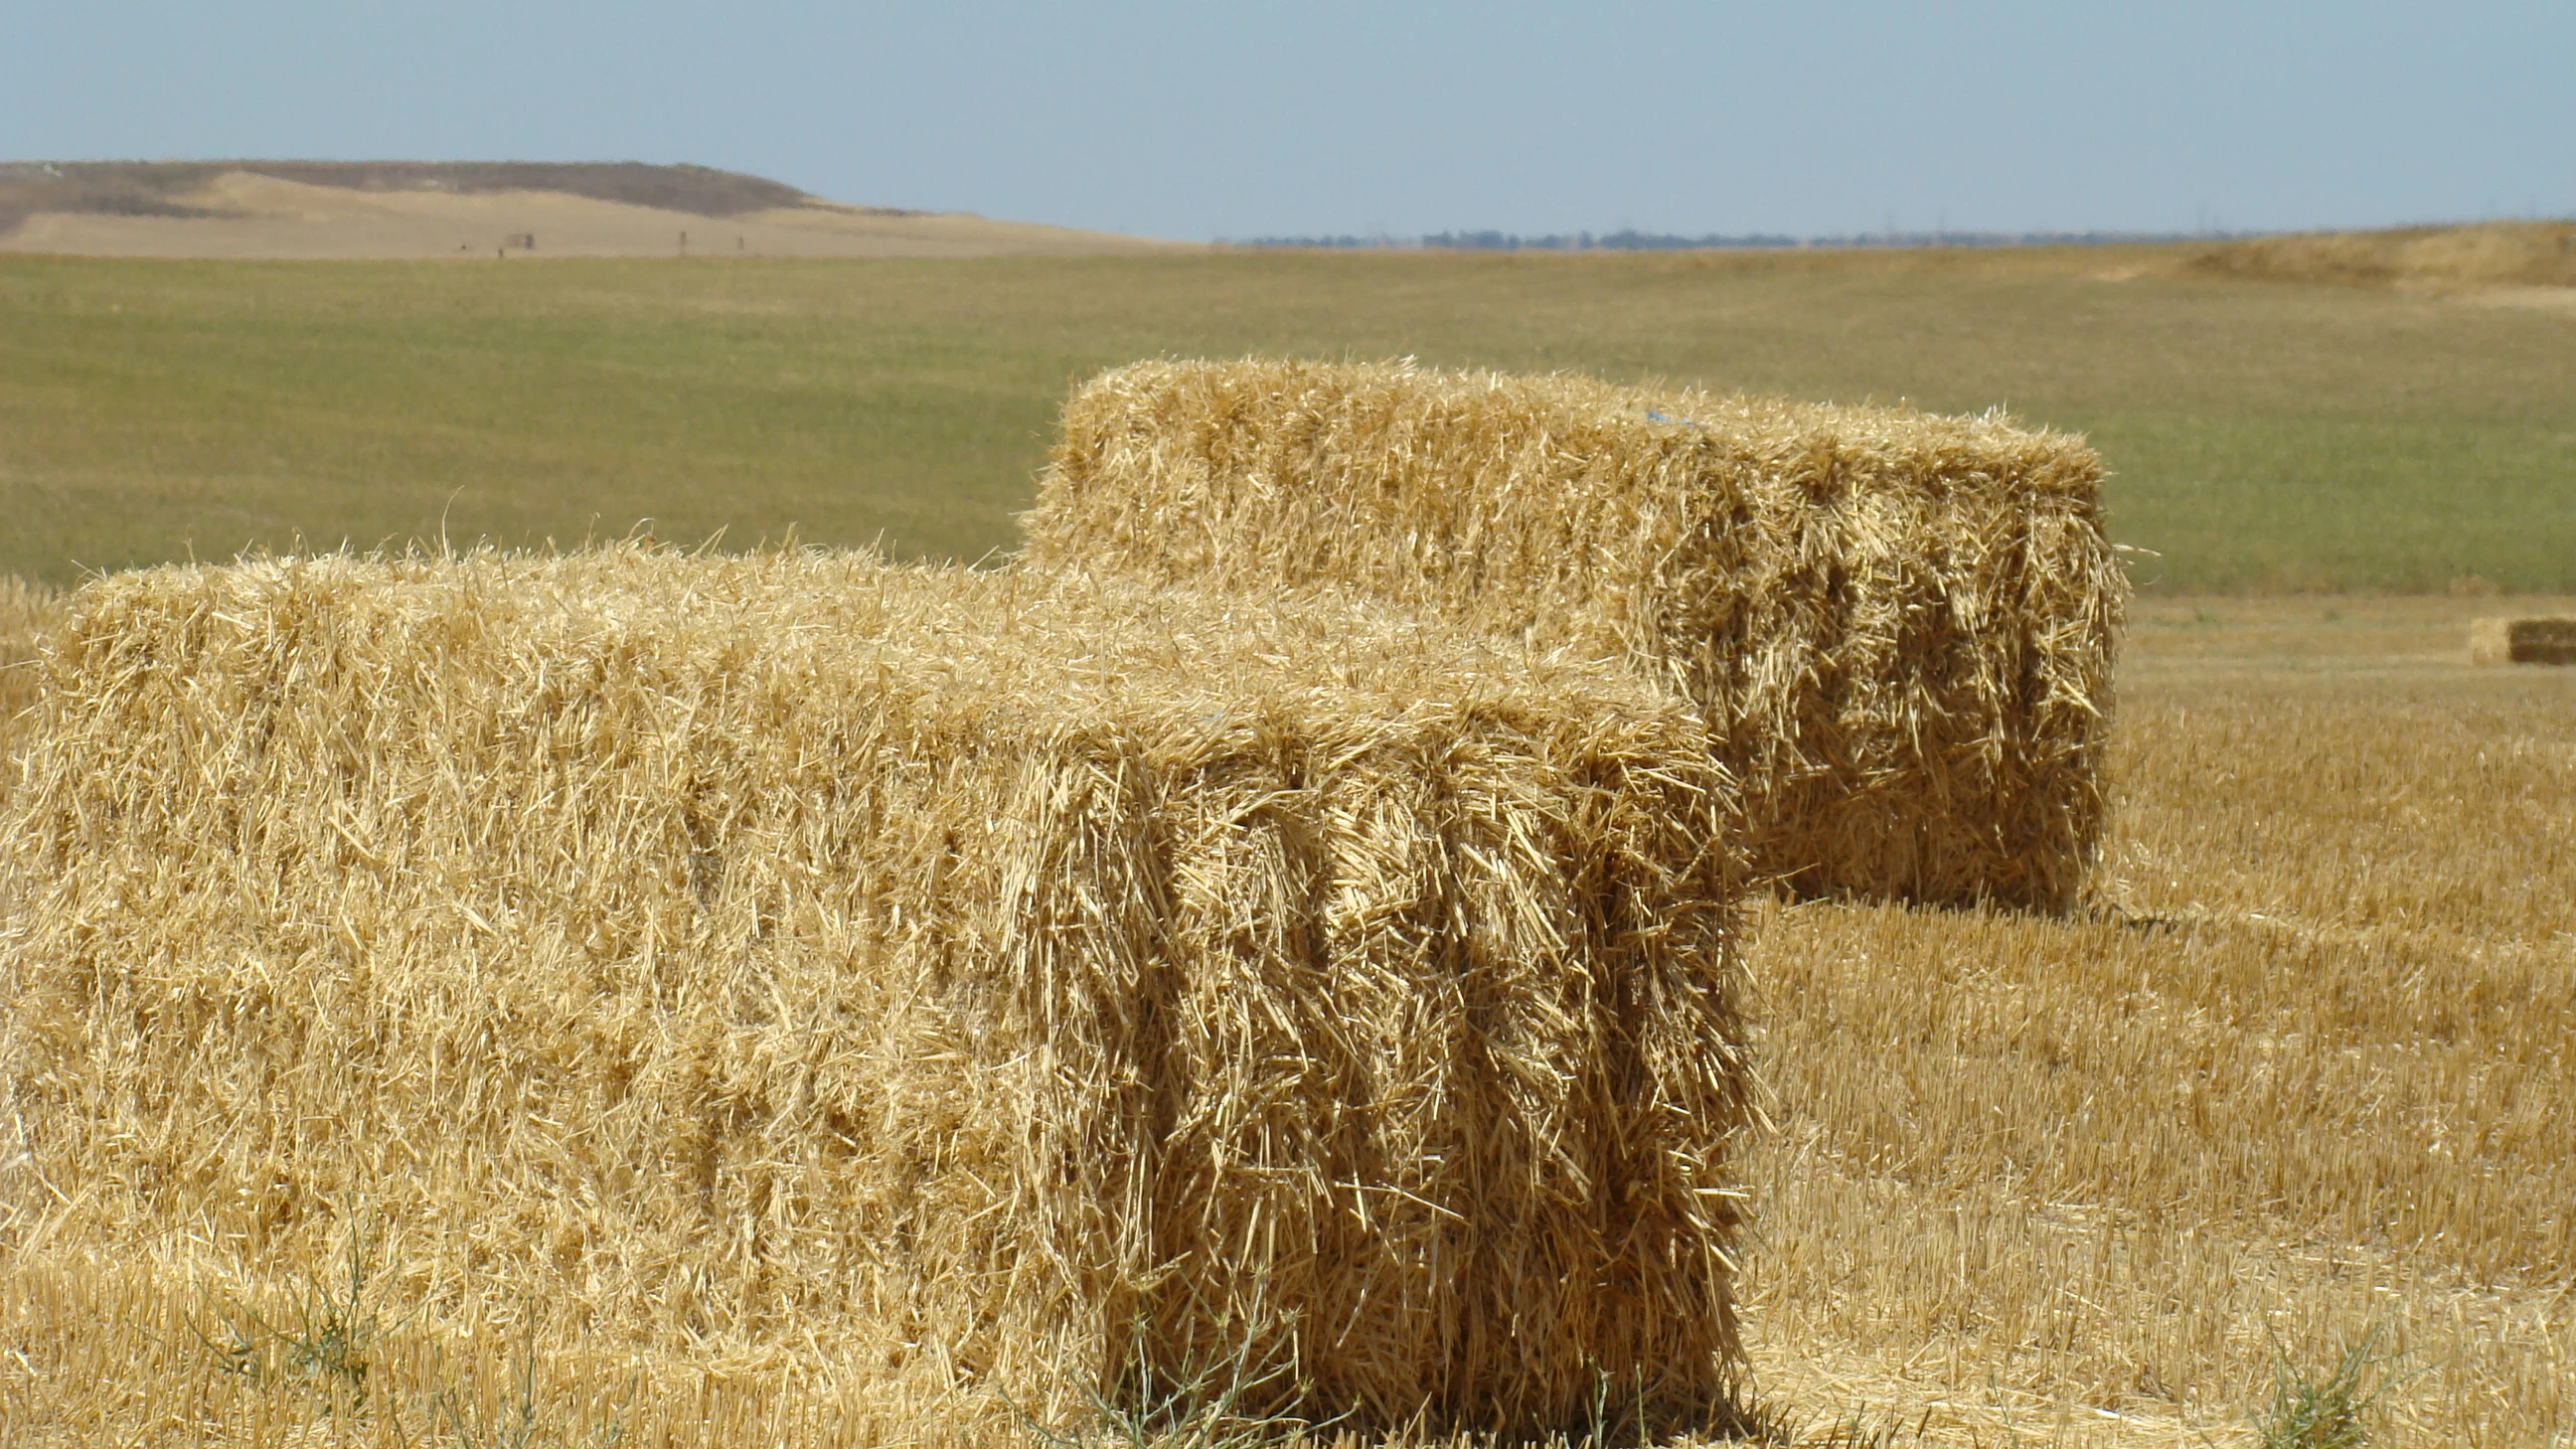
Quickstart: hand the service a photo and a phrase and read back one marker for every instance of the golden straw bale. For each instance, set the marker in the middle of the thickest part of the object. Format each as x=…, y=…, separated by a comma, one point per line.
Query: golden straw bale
x=1063, y=984
x=26, y=611
x=1900, y=626
x=2522, y=641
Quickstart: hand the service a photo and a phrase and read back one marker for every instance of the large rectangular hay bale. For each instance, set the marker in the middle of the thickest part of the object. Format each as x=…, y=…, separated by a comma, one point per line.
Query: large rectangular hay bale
x=1064, y=983
x=1901, y=627
x=2537, y=640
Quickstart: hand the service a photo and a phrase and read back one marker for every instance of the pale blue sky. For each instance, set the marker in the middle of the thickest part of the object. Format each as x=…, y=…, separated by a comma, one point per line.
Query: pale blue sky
x=1205, y=120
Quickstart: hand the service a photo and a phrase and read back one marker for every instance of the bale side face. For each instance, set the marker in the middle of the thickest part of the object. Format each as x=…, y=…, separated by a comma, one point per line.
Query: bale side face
x=2522, y=641
x=1068, y=987
x=1900, y=627
x=26, y=612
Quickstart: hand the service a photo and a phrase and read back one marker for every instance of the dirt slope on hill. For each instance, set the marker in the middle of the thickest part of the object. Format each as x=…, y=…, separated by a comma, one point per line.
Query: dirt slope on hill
x=320, y=210
x=2438, y=258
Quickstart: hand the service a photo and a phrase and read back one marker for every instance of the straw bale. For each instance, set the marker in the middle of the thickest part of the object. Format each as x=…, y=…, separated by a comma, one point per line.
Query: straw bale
x=2522, y=641
x=26, y=611
x=1060, y=984
x=1900, y=626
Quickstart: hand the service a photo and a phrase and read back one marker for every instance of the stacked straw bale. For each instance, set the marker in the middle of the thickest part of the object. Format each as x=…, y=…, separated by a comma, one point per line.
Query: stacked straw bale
x=2537, y=640
x=1900, y=627
x=1062, y=984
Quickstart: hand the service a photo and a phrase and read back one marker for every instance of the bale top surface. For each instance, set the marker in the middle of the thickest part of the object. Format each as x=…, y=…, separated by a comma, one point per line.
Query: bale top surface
x=1006, y=649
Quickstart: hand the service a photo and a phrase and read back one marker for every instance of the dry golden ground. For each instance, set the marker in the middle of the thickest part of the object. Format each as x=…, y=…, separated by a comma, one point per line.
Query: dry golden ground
x=243, y=215
x=2302, y=1074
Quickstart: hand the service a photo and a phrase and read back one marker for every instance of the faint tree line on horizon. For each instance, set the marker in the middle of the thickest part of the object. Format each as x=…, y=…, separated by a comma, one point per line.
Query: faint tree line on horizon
x=1630, y=240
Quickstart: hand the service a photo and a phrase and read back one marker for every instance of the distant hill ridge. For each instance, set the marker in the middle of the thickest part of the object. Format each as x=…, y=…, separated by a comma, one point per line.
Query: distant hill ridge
x=154, y=188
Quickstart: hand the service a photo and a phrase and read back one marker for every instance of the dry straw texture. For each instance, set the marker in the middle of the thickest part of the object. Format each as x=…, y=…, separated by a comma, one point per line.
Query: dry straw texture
x=26, y=611
x=1028, y=983
x=1900, y=626
x=2522, y=641
x=2304, y=1079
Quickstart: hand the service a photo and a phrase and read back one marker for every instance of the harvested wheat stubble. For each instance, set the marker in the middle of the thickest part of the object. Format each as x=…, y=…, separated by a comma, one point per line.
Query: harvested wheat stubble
x=2522, y=641
x=1900, y=627
x=1054, y=983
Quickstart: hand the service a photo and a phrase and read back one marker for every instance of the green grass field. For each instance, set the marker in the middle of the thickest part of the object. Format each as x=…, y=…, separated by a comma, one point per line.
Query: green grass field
x=2265, y=436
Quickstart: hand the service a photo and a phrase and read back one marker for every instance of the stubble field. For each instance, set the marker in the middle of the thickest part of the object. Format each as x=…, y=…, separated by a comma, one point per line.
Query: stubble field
x=2293, y=1087
x=2300, y=1076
